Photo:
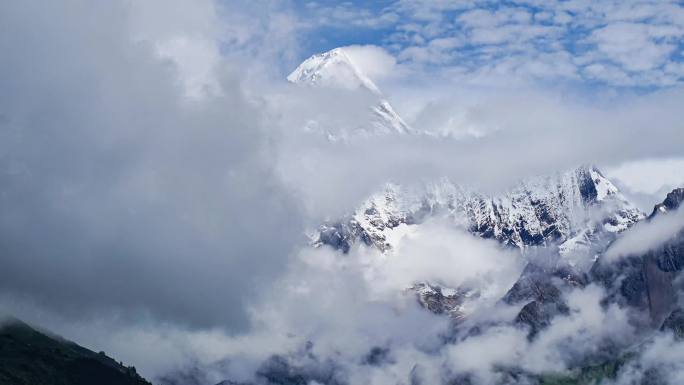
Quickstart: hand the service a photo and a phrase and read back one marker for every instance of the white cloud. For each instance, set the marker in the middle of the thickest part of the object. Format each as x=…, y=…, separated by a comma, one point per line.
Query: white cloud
x=140, y=184
x=196, y=61
x=481, y=18
x=436, y=51
x=186, y=33
x=581, y=333
x=373, y=61
x=422, y=255
x=658, y=359
x=646, y=236
x=499, y=346
x=636, y=47
x=638, y=39
x=649, y=176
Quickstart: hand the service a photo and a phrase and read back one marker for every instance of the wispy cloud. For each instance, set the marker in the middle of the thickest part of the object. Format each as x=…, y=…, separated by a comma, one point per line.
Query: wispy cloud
x=647, y=236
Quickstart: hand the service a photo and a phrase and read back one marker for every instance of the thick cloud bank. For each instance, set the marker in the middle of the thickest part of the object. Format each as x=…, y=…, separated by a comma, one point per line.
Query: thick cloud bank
x=116, y=192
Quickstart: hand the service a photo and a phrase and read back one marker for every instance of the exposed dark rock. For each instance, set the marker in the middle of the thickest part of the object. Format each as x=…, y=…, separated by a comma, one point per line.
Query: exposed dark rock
x=536, y=315
x=278, y=370
x=661, y=296
x=195, y=375
x=461, y=379
x=670, y=257
x=624, y=280
x=645, y=281
x=542, y=283
x=672, y=202
x=440, y=300
x=342, y=235
x=637, y=282
x=378, y=356
x=538, y=287
x=675, y=323
x=587, y=185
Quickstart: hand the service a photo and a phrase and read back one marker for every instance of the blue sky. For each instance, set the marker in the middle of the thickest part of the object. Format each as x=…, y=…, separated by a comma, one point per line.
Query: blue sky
x=612, y=43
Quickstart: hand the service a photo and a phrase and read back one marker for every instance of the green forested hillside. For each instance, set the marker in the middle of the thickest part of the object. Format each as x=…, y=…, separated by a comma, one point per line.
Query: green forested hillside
x=30, y=357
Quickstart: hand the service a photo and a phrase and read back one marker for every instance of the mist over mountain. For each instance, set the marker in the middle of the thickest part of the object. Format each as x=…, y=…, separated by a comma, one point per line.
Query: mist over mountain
x=341, y=193
x=335, y=69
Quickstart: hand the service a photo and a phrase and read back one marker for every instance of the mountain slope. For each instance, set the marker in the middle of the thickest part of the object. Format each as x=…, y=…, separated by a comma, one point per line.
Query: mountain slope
x=30, y=357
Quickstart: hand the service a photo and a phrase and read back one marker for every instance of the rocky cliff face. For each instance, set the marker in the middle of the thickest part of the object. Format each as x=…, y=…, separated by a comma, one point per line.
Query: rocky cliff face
x=645, y=281
x=540, y=289
x=442, y=300
x=671, y=203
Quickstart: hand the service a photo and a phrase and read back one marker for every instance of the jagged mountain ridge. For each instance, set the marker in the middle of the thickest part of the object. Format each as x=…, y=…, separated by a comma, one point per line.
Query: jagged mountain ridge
x=335, y=69
x=579, y=212
x=576, y=210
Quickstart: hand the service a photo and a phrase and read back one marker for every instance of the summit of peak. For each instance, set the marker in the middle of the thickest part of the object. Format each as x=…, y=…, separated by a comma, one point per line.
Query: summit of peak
x=336, y=69
x=333, y=68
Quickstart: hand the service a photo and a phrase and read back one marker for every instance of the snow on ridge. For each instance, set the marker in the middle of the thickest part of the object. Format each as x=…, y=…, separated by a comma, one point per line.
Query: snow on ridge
x=575, y=210
x=334, y=69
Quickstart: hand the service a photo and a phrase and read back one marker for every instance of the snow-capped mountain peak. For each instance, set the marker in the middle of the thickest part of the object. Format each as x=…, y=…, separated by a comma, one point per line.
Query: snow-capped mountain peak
x=332, y=69
x=335, y=69
x=579, y=211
